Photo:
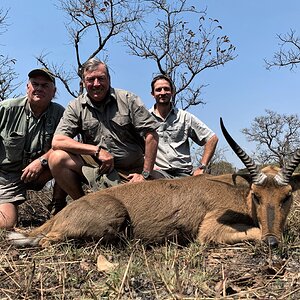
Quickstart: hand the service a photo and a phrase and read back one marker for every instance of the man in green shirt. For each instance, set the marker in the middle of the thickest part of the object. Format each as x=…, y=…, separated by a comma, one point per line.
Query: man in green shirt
x=118, y=135
x=27, y=125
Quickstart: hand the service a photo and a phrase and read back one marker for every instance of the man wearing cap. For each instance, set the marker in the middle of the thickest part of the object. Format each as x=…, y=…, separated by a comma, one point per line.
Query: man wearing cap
x=27, y=125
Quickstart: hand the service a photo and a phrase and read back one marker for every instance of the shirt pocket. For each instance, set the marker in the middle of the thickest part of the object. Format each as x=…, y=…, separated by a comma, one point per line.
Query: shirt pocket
x=122, y=126
x=49, y=132
x=14, y=146
x=177, y=133
x=90, y=131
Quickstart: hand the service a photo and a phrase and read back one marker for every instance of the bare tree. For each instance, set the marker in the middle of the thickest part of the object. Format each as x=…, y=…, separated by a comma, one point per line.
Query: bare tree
x=7, y=73
x=288, y=53
x=183, y=42
x=218, y=164
x=103, y=20
x=222, y=167
x=277, y=137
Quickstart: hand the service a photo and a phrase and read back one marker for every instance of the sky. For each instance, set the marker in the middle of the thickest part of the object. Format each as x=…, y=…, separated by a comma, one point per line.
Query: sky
x=238, y=92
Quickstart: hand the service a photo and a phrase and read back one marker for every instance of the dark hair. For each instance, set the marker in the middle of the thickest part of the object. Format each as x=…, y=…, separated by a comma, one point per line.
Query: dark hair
x=164, y=77
x=92, y=64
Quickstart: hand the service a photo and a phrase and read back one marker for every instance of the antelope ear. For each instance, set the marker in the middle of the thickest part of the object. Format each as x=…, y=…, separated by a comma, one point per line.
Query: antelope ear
x=295, y=182
x=246, y=177
x=231, y=179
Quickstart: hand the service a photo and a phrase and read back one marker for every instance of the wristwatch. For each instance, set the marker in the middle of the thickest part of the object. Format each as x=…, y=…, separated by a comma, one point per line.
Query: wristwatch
x=202, y=166
x=146, y=174
x=97, y=151
x=43, y=161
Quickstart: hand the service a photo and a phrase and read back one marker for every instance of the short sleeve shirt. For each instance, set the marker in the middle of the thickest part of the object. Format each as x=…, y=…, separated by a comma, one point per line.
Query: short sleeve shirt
x=173, y=152
x=23, y=137
x=118, y=125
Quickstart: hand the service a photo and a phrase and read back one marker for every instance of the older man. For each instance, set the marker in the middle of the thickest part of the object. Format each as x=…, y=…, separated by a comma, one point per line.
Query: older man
x=27, y=125
x=118, y=135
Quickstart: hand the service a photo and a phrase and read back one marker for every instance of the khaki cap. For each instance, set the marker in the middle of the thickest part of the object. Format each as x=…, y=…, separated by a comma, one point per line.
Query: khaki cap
x=43, y=71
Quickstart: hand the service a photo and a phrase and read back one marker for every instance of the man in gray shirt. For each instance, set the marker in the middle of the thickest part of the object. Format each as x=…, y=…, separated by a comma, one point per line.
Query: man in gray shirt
x=118, y=134
x=176, y=127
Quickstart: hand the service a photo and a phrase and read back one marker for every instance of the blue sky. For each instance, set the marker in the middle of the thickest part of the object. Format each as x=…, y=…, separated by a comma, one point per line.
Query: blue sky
x=238, y=92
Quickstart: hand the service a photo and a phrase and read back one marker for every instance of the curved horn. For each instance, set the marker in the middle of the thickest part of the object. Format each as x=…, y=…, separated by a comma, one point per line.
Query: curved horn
x=288, y=170
x=257, y=177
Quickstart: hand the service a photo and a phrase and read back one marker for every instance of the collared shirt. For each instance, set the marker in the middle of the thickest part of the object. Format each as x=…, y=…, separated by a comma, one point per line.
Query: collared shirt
x=173, y=152
x=118, y=125
x=23, y=137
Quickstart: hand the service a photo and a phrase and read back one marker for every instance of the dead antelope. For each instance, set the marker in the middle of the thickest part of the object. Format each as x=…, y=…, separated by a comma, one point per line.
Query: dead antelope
x=225, y=209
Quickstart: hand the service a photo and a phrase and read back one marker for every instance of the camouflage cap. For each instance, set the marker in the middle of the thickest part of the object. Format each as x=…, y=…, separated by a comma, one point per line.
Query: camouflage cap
x=43, y=71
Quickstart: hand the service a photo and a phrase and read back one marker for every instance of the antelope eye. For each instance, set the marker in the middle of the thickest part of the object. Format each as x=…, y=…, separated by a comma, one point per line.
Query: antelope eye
x=255, y=199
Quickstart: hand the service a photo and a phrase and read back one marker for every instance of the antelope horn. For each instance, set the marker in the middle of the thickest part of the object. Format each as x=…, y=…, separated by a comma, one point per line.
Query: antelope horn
x=257, y=177
x=283, y=177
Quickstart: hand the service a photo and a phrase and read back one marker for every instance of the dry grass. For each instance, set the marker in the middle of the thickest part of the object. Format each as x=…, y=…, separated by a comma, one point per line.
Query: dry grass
x=69, y=270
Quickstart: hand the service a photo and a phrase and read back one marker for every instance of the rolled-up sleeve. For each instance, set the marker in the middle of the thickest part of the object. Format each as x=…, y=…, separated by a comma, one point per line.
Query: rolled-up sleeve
x=69, y=123
x=200, y=133
x=142, y=119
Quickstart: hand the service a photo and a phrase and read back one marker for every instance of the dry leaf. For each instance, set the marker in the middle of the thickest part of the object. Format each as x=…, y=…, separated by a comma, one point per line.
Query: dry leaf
x=104, y=265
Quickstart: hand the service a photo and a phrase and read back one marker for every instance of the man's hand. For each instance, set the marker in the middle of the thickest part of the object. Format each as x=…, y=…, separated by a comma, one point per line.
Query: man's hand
x=107, y=161
x=198, y=171
x=32, y=171
x=135, y=177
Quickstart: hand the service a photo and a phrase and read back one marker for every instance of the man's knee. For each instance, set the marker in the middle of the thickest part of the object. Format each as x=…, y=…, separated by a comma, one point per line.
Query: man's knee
x=8, y=215
x=58, y=157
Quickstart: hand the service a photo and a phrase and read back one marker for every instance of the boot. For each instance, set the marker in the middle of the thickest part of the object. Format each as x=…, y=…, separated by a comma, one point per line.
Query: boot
x=56, y=205
x=58, y=200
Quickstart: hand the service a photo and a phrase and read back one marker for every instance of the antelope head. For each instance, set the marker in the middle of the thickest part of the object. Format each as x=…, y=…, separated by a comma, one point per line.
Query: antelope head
x=270, y=196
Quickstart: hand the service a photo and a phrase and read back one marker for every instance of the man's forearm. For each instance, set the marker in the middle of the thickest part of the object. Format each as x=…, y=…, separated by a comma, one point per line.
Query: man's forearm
x=65, y=143
x=151, y=144
x=209, y=150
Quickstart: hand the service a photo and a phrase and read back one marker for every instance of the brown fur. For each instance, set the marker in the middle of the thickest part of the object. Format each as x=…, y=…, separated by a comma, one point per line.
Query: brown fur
x=203, y=208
